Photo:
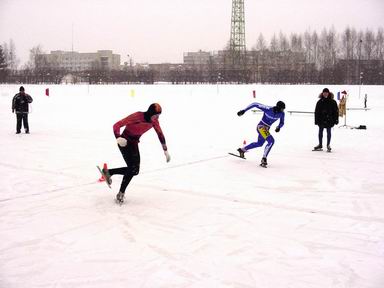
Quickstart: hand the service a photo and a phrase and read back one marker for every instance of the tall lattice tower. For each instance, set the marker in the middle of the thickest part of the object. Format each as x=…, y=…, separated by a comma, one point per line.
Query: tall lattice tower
x=237, y=41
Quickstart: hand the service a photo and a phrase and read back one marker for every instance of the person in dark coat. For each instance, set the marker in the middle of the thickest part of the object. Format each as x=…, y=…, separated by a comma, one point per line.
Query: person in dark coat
x=326, y=116
x=20, y=105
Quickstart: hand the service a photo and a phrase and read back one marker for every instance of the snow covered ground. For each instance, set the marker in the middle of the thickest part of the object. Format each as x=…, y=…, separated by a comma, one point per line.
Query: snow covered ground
x=206, y=219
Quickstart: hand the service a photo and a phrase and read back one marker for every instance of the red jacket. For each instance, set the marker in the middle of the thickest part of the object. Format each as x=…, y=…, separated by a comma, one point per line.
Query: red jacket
x=135, y=126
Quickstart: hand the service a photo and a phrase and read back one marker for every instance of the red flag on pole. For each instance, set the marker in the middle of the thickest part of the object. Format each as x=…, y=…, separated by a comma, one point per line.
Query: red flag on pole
x=254, y=93
x=47, y=92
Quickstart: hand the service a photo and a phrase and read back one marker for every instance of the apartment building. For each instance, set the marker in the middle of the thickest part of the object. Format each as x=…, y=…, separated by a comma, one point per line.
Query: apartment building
x=197, y=58
x=75, y=61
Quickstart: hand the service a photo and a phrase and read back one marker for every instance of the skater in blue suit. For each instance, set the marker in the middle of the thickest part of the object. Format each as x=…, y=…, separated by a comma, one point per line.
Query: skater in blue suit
x=270, y=116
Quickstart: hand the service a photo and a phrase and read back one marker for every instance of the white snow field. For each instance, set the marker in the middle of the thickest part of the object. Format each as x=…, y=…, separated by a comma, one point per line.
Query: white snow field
x=205, y=219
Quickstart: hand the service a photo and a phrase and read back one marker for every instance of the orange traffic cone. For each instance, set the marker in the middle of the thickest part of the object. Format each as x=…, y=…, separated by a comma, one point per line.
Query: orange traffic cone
x=244, y=142
x=102, y=179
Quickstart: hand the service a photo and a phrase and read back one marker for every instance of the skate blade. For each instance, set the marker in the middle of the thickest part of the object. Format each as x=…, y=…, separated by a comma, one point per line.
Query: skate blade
x=238, y=156
x=119, y=202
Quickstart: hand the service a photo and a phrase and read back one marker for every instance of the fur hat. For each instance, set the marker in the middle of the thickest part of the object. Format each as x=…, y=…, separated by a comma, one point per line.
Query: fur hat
x=326, y=90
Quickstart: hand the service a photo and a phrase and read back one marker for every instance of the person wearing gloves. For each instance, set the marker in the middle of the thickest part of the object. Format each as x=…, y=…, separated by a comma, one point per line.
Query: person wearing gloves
x=271, y=114
x=135, y=125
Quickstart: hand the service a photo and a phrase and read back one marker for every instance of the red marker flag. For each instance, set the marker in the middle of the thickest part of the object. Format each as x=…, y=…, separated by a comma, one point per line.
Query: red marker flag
x=254, y=93
x=47, y=92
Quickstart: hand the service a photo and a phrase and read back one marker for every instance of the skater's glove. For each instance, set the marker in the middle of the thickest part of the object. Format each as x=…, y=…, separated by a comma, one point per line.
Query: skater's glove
x=167, y=156
x=122, y=142
x=241, y=112
x=277, y=129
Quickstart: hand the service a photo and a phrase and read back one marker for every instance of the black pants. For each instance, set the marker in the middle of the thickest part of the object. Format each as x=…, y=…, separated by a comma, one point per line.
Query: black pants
x=321, y=128
x=22, y=117
x=131, y=156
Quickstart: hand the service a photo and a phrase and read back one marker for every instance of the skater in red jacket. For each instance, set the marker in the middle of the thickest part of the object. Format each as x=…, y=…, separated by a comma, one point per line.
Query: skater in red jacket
x=135, y=125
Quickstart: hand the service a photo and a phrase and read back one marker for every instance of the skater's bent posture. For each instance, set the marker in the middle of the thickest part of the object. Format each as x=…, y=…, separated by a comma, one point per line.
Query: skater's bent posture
x=135, y=125
x=271, y=114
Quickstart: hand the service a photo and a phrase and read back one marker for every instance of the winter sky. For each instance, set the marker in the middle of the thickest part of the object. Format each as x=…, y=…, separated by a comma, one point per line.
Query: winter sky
x=159, y=31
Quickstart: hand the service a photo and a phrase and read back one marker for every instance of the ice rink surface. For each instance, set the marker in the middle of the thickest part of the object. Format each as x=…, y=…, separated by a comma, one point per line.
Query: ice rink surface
x=206, y=219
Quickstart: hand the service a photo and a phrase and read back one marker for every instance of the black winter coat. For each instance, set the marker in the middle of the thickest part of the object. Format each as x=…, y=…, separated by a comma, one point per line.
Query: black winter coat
x=326, y=112
x=20, y=103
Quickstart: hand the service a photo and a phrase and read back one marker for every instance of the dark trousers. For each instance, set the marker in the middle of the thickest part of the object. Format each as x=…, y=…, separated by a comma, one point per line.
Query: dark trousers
x=321, y=129
x=22, y=117
x=131, y=156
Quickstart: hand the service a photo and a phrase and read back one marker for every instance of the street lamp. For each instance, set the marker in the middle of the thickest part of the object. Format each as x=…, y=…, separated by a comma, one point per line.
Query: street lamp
x=360, y=82
x=359, y=73
x=130, y=60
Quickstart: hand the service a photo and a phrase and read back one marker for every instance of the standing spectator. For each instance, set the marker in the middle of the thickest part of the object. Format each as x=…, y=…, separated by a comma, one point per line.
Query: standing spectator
x=343, y=104
x=20, y=105
x=326, y=116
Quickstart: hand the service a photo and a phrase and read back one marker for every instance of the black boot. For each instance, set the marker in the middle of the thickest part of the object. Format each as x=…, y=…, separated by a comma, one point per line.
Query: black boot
x=120, y=197
x=107, y=176
x=318, y=148
x=264, y=162
x=241, y=152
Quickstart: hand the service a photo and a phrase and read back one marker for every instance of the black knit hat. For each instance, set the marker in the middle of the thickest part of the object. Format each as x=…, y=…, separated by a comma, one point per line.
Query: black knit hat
x=21, y=88
x=326, y=90
x=280, y=105
x=154, y=109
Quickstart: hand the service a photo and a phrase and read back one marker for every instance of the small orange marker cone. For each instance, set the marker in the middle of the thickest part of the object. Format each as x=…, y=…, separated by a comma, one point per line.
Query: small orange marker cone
x=244, y=142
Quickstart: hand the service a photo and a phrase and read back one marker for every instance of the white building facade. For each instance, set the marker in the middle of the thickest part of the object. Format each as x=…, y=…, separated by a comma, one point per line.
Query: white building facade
x=75, y=61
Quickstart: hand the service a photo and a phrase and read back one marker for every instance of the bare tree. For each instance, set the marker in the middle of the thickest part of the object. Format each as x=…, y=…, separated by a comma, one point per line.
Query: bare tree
x=368, y=44
x=261, y=44
x=296, y=43
x=307, y=46
x=13, y=60
x=315, y=48
x=35, y=61
x=346, y=45
x=283, y=44
x=273, y=46
x=3, y=66
x=328, y=48
x=10, y=55
x=379, y=44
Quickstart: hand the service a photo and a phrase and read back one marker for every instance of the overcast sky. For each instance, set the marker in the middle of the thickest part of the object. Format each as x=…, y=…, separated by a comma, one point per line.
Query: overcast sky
x=158, y=31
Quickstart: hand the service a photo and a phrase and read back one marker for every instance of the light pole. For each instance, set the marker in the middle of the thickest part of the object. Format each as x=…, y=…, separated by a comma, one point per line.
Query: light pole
x=89, y=81
x=360, y=82
x=358, y=65
x=130, y=61
x=217, y=83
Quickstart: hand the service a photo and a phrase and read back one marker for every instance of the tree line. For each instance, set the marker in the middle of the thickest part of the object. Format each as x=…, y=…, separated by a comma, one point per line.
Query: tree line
x=349, y=57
